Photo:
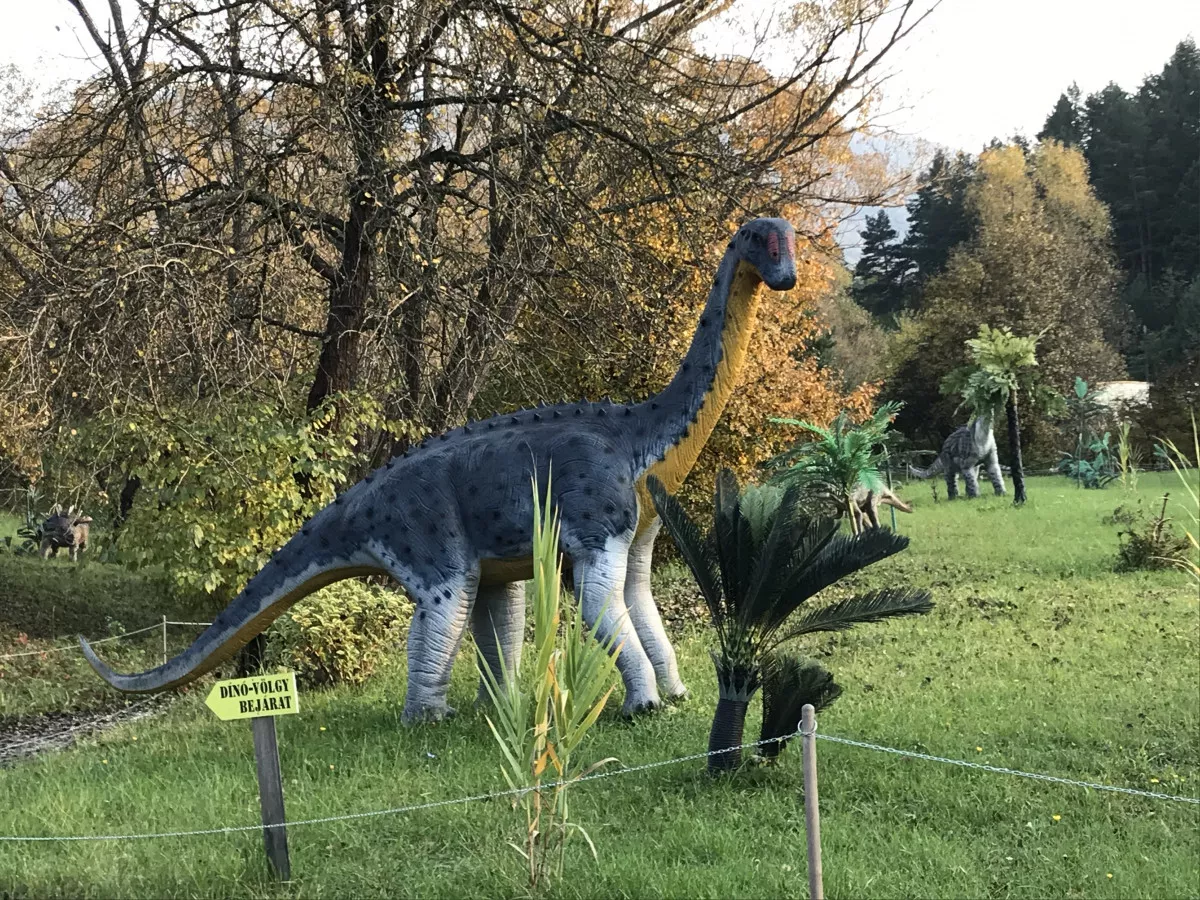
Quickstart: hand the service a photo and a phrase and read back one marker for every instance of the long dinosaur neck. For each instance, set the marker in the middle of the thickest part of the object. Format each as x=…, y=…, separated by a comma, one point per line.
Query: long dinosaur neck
x=680, y=419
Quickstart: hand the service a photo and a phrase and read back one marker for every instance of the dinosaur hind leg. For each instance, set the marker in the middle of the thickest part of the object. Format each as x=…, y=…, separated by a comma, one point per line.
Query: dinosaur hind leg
x=872, y=509
x=644, y=615
x=971, y=477
x=951, y=481
x=992, y=463
x=599, y=583
x=433, y=641
x=498, y=625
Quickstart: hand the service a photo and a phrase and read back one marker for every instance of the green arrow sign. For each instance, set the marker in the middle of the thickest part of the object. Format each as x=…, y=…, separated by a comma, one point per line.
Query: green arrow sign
x=248, y=698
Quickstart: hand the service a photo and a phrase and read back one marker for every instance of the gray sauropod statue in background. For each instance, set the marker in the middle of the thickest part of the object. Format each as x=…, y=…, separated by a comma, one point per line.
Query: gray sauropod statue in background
x=962, y=453
x=452, y=520
x=67, y=530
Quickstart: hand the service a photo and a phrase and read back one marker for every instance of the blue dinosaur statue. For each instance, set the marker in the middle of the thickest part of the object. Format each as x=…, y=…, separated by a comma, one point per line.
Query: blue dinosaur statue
x=451, y=520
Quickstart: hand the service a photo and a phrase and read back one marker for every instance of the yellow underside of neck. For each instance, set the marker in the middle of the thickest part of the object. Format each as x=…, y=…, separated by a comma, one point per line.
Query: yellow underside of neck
x=741, y=311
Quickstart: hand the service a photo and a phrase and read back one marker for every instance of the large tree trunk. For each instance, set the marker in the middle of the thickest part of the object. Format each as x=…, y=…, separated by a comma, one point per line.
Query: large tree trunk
x=1014, y=449
x=337, y=368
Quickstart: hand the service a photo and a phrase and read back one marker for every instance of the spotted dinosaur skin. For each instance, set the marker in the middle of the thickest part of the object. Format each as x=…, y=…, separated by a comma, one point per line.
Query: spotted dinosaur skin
x=962, y=453
x=452, y=520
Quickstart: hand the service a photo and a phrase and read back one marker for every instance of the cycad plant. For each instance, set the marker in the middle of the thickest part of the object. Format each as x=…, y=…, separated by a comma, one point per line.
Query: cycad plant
x=843, y=456
x=761, y=562
x=541, y=723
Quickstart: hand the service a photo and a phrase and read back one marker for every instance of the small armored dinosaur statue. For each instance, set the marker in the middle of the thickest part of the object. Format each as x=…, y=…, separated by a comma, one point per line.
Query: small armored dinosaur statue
x=865, y=504
x=452, y=520
x=962, y=453
x=65, y=529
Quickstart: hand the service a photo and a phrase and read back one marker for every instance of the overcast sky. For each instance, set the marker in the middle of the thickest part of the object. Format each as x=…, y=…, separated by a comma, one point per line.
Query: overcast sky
x=974, y=70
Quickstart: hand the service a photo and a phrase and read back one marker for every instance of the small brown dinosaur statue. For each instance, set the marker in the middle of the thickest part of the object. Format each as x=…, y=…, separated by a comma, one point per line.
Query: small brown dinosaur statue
x=865, y=503
x=67, y=529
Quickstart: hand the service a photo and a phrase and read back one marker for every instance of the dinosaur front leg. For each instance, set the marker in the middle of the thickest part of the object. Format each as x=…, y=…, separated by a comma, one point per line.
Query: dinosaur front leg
x=599, y=586
x=498, y=624
x=644, y=614
x=994, y=473
x=433, y=641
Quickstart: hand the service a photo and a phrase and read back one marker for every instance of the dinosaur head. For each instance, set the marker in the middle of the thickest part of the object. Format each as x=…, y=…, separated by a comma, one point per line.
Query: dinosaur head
x=770, y=246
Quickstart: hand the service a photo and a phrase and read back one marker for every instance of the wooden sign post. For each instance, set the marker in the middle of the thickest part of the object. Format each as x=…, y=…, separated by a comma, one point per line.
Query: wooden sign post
x=260, y=699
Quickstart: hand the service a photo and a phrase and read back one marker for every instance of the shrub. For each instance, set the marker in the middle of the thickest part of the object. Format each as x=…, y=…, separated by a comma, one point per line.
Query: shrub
x=1153, y=545
x=763, y=560
x=1098, y=471
x=1185, y=470
x=339, y=634
x=222, y=483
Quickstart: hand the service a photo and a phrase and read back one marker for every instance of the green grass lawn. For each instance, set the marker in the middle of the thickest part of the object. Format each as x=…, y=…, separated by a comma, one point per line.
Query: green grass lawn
x=45, y=603
x=1038, y=657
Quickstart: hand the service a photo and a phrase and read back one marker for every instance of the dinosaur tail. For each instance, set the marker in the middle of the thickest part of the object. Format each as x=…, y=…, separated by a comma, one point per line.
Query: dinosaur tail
x=892, y=500
x=291, y=575
x=918, y=472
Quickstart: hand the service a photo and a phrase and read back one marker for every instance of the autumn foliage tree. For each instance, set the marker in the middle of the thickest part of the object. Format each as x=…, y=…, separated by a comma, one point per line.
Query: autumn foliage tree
x=1039, y=263
x=453, y=206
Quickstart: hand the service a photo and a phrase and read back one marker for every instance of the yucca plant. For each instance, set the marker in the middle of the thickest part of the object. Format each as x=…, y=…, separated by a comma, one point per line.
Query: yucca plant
x=761, y=562
x=1129, y=458
x=843, y=456
x=540, y=724
x=1187, y=471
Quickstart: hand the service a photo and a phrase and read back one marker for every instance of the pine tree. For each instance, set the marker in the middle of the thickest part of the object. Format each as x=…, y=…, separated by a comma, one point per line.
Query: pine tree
x=879, y=273
x=938, y=219
x=1066, y=123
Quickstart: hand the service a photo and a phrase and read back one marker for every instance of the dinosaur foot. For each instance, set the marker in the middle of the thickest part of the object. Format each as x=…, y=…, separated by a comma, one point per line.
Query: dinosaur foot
x=418, y=714
x=640, y=706
x=677, y=694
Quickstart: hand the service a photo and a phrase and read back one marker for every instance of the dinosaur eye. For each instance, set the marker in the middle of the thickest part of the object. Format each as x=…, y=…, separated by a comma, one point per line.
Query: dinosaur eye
x=773, y=246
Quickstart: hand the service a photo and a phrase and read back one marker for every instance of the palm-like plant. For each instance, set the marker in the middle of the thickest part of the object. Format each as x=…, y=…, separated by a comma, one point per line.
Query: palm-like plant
x=761, y=562
x=1002, y=367
x=842, y=457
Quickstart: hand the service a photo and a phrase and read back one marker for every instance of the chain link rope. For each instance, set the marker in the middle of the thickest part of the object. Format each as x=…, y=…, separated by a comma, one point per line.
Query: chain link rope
x=397, y=810
x=1000, y=770
x=516, y=792
x=155, y=627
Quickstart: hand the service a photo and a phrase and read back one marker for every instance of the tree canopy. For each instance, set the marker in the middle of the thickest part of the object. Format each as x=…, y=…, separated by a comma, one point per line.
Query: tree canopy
x=1038, y=263
x=451, y=207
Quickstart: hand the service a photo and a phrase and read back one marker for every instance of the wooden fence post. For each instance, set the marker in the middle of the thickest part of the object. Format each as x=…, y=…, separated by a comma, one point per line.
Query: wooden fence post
x=164, y=626
x=812, y=816
x=270, y=795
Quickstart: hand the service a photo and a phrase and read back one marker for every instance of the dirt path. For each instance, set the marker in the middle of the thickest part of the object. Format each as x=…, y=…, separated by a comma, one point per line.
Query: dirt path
x=57, y=731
